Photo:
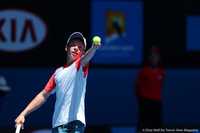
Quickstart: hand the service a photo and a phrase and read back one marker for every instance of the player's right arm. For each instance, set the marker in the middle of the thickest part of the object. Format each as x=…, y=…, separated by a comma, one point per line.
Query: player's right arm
x=33, y=105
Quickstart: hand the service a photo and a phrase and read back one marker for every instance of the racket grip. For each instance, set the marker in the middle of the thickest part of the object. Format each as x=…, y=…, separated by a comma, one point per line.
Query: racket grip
x=18, y=128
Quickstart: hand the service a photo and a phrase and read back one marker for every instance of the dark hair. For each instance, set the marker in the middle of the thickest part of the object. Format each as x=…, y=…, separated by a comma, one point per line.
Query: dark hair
x=153, y=49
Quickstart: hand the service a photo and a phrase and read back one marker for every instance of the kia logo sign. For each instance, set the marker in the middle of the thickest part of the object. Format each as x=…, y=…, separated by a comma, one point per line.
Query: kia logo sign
x=20, y=30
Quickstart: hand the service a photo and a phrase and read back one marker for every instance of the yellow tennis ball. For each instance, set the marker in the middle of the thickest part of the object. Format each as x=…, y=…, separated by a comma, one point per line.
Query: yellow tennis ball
x=96, y=39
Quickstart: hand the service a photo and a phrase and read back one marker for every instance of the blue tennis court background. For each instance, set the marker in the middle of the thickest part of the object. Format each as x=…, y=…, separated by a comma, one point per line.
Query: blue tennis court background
x=109, y=98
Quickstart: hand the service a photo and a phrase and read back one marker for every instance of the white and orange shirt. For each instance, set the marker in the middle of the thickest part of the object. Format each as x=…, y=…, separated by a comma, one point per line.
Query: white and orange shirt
x=69, y=83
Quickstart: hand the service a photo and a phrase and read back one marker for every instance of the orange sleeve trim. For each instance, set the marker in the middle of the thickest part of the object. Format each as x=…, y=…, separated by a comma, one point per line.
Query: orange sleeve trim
x=84, y=69
x=51, y=84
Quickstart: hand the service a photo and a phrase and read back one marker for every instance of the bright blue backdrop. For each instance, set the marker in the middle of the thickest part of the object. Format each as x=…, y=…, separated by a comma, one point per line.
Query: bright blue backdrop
x=123, y=49
x=109, y=97
x=193, y=31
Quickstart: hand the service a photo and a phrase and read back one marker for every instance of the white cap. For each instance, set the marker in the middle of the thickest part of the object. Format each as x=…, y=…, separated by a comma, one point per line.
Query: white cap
x=79, y=35
x=3, y=84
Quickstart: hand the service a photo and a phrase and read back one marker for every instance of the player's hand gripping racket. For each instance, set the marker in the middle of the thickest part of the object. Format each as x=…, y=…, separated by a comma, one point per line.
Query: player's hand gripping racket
x=18, y=128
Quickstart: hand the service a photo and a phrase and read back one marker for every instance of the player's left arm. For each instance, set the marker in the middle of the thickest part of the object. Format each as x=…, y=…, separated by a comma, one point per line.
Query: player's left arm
x=89, y=54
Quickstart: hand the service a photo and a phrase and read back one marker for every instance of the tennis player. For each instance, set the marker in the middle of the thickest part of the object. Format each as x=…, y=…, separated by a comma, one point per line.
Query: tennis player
x=69, y=83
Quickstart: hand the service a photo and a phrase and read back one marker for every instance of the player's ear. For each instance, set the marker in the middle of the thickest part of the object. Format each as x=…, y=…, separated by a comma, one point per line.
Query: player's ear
x=66, y=47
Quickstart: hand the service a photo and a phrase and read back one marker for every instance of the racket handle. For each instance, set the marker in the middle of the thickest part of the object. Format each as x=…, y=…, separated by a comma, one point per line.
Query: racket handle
x=18, y=128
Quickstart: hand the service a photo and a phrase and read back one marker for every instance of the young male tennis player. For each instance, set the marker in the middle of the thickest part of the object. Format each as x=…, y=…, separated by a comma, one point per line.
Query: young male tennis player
x=69, y=83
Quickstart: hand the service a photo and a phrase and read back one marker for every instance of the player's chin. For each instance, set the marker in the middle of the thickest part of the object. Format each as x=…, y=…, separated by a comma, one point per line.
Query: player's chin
x=75, y=57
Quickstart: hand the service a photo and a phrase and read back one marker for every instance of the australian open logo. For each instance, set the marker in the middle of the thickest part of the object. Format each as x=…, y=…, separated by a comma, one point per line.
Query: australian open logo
x=20, y=30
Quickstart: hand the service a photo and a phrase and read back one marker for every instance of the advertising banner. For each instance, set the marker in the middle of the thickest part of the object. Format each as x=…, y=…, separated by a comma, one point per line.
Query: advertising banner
x=120, y=26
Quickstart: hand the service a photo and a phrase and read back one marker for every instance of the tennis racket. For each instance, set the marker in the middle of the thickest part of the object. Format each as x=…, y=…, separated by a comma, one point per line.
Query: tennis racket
x=18, y=128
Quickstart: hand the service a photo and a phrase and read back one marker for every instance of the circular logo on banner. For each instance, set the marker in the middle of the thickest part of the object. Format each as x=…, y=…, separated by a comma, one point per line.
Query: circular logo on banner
x=20, y=30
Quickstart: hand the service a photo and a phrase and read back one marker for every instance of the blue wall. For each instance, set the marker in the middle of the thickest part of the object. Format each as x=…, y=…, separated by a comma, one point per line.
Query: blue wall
x=109, y=97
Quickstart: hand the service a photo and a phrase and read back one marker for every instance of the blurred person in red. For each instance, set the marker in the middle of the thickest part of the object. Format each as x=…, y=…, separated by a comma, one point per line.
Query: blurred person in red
x=147, y=90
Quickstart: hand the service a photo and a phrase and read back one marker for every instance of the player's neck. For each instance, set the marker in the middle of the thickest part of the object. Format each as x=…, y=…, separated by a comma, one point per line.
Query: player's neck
x=69, y=62
x=154, y=67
